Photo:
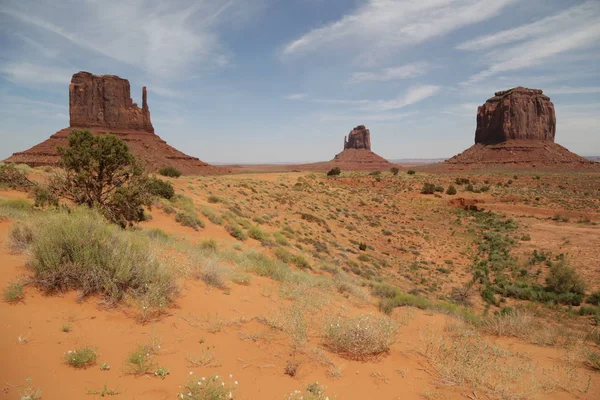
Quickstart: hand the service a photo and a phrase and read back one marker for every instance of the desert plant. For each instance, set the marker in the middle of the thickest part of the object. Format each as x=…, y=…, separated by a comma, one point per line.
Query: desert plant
x=12, y=177
x=80, y=250
x=451, y=190
x=44, y=197
x=170, y=172
x=236, y=232
x=209, y=388
x=158, y=187
x=215, y=199
x=428, y=188
x=81, y=358
x=258, y=234
x=334, y=171
x=564, y=279
x=13, y=293
x=411, y=172
x=99, y=171
x=361, y=336
x=190, y=220
x=362, y=246
x=30, y=392
x=314, y=391
x=394, y=170
x=140, y=361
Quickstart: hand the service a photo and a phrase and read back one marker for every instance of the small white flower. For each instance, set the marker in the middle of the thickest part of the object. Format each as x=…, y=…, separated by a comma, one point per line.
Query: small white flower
x=236, y=382
x=230, y=376
x=191, y=372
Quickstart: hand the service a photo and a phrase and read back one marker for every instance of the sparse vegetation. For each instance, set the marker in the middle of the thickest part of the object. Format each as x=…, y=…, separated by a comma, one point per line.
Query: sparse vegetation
x=361, y=336
x=209, y=388
x=14, y=293
x=81, y=358
x=334, y=171
x=80, y=250
x=170, y=172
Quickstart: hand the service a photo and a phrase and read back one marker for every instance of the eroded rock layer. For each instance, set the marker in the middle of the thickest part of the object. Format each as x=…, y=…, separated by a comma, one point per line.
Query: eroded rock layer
x=358, y=138
x=103, y=105
x=517, y=113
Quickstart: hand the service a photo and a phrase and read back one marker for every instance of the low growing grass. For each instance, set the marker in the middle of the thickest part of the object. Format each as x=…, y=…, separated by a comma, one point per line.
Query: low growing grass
x=208, y=388
x=14, y=293
x=314, y=391
x=190, y=220
x=360, y=337
x=81, y=358
x=140, y=361
x=80, y=250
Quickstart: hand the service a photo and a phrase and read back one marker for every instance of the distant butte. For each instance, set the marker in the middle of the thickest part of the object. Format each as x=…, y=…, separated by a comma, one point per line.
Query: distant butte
x=103, y=104
x=357, y=152
x=517, y=126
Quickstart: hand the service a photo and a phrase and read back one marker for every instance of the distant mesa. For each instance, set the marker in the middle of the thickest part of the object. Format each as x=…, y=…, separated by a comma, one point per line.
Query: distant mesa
x=357, y=152
x=103, y=104
x=517, y=126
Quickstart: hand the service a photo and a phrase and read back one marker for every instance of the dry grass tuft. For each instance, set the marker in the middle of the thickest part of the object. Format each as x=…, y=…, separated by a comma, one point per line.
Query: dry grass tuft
x=362, y=336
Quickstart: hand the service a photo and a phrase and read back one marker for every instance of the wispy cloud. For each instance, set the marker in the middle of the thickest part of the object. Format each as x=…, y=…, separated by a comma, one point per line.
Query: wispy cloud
x=573, y=90
x=536, y=43
x=31, y=73
x=386, y=25
x=366, y=117
x=394, y=73
x=296, y=96
x=162, y=38
x=414, y=94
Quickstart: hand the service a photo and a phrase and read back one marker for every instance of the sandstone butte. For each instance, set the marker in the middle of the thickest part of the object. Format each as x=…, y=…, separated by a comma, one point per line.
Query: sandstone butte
x=517, y=127
x=357, y=152
x=103, y=104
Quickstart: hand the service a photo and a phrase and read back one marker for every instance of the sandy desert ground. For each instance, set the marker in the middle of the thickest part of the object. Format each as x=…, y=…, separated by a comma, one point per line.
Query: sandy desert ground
x=447, y=282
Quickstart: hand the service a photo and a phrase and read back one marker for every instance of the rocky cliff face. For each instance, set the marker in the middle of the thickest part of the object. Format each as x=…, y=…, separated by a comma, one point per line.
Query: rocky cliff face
x=517, y=113
x=358, y=138
x=105, y=102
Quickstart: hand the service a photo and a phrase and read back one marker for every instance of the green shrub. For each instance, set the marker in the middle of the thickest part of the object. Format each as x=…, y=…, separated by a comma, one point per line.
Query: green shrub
x=209, y=244
x=394, y=170
x=13, y=293
x=451, y=190
x=82, y=251
x=170, y=172
x=236, y=232
x=334, y=171
x=212, y=217
x=12, y=177
x=362, y=246
x=158, y=187
x=140, y=361
x=428, y=188
x=192, y=221
x=258, y=234
x=215, y=199
x=594, y=298
x=81, y=358
x=563, y=279
x=44, y=197
x=210, y=388
x=361, y=336
x=439, y=189
x=100, y=172
x=462, y=181
x=411, y=172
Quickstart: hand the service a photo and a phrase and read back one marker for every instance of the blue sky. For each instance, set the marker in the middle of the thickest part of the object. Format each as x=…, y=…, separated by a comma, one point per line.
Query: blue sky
x=249, y=81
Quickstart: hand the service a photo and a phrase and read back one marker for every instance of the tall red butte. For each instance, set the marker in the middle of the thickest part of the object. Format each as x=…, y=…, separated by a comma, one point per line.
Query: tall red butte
x=357, y=152
x=102, y=104
x=517, y=127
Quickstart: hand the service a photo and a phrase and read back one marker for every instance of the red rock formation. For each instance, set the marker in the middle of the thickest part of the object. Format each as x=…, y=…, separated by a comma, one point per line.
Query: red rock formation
x=517, y=113
x=516, y=127
x=104, y=102
x=103, y=105
x=358, y=138
x=357, y=154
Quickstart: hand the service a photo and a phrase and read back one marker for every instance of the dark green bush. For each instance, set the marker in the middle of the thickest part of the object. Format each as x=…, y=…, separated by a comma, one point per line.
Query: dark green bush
x=362, y=246
x=170, y=172
x=190, y=220
x=411, y=172
x=451, y=190
x=563, y=279
x=236, y=232
x=394, y=170
x=99, y=171
x=428, y=188
x=161, y=188
x=334, y=171
x=439, y=189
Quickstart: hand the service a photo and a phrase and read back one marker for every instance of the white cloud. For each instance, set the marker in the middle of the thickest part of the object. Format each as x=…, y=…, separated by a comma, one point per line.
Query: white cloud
x=31, y=73
x=162, y=38
x=365, y=117
x=386, y=25
x=394, y=73
x=296, y=96
x=540, y=42
x=413, y=95
x=573, y=90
